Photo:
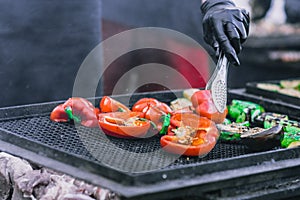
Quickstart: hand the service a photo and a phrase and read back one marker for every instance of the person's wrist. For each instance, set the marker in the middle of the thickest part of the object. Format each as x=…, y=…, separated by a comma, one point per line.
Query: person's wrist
x=207, y=4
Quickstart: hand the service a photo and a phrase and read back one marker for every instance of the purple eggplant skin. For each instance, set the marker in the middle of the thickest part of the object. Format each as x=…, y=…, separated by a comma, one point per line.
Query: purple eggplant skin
x=264, y=140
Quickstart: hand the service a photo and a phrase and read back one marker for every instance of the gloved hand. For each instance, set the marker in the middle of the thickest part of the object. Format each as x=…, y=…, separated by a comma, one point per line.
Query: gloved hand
x=225, y=27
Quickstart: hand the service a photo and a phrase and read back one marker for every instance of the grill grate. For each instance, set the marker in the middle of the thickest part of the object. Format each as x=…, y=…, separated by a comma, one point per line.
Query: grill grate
x=129, y=155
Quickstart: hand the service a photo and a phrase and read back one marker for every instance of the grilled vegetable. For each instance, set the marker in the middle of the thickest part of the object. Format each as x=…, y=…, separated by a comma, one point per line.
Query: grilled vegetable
x=295, y=84
x=156, y=111
x=232, y=132
x=290, y=128
x=58, y=114
x=189, y=109
x=290, y=92
x=287, y=124
x=192, y=135
x=124, y=124
x=202, y=102
x=160, y=119
x=291, y=135
x=242, y=111
x=208, y=109
x=144, y=104
x=78, y=109
x=180, y=103
x=190, y=119
x=259, y=139
x=286, y=87
x=200, y=97
x=108, y=104
x=269, y=117
x=293, y=144
x=256, y=138
x=269, y=86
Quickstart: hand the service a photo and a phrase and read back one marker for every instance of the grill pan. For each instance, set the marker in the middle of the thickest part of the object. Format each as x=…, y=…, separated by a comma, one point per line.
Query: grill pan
x=252, y=88
x=121, y=164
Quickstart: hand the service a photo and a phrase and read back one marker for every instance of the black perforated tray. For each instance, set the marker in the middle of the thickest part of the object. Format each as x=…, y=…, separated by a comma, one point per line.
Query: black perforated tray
x=124, y=165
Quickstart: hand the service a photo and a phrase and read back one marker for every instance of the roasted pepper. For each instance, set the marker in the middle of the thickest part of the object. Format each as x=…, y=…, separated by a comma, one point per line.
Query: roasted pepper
x=108, y=104
x=158, y=112
x=242, y=111
x=78, y=109
x=293, y=135
x=204, y=106
x=124, y=124
x=144, y=104
x=192, y=136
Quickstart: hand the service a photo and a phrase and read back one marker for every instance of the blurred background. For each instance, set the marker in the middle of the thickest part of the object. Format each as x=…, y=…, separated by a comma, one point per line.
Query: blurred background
x=44, y=43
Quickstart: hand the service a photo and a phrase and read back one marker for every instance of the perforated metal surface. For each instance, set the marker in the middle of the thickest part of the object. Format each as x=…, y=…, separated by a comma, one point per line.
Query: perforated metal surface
x=219, y=94
x=129, y=155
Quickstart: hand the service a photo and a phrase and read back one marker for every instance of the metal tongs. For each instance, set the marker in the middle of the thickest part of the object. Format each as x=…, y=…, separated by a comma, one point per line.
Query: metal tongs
x=217, y=83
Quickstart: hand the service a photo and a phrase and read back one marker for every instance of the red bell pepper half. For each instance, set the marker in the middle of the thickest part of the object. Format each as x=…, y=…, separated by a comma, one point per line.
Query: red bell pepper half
x=200, y=96
x=108, y=104
x=58, y=114
x=209, y=110
x=124, y=124
x=144, y=104
x=203, y=103
x=157, y=112
x=190, y=119
x=193, y=135
x=78, y=109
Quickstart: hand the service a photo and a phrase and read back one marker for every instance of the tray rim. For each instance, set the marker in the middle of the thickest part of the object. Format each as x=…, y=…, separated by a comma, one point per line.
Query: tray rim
x=252, y=88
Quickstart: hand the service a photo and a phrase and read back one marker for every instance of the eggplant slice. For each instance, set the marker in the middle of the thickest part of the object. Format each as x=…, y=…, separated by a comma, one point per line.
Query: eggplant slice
x=256, y=139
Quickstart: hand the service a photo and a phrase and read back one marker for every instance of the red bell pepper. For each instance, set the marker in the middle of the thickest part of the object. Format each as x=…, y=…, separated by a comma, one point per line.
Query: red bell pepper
x=190, y=119
x=200, y=96
x=157, y=112
x=144, y=104
x=124, y=124
x=108, y=104
x=205, y=144
x=194, y=136
x=58, y=114
x=78, y=109
x=204, y=106
x=209, y=110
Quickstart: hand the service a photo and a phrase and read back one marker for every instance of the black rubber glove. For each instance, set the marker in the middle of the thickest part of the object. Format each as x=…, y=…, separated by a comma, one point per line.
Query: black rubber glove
x=225, y=27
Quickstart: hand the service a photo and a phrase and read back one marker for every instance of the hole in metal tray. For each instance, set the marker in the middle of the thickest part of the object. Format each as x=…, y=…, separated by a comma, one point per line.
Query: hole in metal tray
x=116, y=153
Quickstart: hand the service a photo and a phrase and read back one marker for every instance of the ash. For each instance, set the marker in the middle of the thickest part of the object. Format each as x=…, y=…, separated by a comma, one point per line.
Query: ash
x=19, y=180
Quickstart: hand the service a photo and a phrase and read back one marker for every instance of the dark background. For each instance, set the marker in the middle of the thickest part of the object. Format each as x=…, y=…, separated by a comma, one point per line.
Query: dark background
x=43, y=43
x=42, y=46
